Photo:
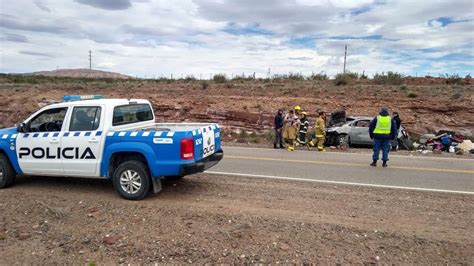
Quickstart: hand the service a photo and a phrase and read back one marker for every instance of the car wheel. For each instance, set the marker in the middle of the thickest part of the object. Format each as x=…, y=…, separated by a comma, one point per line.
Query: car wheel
x=7, y=174
x=343, y=140
x=132, y=180
x=405, y=144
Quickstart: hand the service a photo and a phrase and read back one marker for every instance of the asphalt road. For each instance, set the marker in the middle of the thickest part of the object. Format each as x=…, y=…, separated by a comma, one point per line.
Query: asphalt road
x=450, y=175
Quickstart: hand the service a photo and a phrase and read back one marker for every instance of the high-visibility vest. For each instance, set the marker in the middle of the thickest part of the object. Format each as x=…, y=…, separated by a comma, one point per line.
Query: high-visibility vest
x=384, y=125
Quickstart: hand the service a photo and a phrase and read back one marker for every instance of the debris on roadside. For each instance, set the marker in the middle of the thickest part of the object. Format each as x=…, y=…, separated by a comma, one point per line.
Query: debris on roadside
x=444, y=141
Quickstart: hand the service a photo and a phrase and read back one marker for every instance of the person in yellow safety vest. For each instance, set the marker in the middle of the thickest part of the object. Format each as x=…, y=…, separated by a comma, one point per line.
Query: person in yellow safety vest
x=290, y=125
x=319, y=131
x=382, y=130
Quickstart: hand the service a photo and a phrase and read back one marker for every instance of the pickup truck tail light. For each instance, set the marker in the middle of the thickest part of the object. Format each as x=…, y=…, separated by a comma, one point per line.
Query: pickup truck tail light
x=187, y=149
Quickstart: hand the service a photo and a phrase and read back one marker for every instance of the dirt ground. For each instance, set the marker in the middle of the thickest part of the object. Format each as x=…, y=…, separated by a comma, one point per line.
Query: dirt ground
x=218, y=219
x=424, y=105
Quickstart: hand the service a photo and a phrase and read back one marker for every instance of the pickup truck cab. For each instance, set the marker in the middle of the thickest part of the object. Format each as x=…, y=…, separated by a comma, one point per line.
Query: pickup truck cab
x=115, y=139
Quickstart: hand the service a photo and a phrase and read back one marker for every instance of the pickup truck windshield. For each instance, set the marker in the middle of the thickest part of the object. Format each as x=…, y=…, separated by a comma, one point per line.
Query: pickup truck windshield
x=132, y=113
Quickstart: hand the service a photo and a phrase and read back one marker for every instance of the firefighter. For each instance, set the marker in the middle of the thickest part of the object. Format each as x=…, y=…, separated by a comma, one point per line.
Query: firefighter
x=297, y=109
x=290, y=129
x=303, y=129
x=320, y=132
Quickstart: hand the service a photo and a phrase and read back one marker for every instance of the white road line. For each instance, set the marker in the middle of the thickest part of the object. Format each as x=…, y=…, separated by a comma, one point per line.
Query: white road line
x=358, y=154
x=341, y=182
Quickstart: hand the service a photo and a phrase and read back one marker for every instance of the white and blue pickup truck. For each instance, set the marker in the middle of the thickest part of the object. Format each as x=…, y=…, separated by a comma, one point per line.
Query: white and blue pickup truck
x=115, y=139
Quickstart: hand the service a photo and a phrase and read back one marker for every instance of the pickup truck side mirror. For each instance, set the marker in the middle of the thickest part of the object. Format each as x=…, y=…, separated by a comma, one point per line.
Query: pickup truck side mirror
x=22, y=128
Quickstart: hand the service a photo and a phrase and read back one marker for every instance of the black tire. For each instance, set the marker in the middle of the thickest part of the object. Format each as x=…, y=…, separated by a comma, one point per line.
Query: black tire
x=7, y=174
x=343, y=139
x=125, y=181
x=405, y=144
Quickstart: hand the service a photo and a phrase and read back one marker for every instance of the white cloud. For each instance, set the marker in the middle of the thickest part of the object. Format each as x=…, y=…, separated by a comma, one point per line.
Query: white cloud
x=140, y=37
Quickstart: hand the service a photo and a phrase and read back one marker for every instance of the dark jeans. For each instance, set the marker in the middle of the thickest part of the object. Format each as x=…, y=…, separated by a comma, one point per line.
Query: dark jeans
x=278, y=137
x=381, y=144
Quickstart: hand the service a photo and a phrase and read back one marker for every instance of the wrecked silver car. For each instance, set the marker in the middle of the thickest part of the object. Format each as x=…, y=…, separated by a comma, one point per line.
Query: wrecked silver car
x=354, y=130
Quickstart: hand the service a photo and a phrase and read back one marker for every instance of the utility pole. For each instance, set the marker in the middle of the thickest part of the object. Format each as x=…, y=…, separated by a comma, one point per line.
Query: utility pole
x=345, y=55
x=90, y=60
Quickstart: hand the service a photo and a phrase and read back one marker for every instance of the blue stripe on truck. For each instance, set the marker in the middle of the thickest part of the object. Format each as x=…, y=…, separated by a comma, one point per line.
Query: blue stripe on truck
x=163, y=161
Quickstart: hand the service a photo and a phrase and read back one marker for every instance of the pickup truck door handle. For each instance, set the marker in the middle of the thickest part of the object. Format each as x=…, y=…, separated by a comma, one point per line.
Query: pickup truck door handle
x=54, y=141
x=93, y=140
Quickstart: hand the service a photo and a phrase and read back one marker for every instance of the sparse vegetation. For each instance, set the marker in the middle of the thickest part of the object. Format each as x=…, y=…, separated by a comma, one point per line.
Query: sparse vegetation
x=352, y=75
x=403, y=87
x=343, y=79
x=289, y=76
x=189, y=78
x=295, y=76
x=453, y=79
x=318, y=76
x=242, y=78
x=219, y=78
x=412, y=95
x=204, y=85
x=391, y=78
x=457, y=96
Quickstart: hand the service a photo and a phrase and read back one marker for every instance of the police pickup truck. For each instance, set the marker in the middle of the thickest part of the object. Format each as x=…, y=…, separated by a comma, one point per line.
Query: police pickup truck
x=115, y=139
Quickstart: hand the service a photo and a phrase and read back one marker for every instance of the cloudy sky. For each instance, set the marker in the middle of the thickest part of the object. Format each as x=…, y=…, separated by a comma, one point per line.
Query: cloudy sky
x=199, y=37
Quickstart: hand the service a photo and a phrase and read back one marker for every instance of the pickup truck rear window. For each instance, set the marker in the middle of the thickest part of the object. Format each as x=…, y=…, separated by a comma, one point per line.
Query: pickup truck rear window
x=132, y=113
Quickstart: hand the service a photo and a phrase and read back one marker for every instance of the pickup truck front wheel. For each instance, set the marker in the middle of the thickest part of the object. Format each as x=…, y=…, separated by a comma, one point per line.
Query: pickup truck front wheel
x=7, y=174
x=132, y=180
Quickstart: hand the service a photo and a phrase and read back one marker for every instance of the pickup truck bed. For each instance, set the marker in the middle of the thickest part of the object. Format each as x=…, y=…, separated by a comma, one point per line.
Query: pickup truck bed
x=161, y=144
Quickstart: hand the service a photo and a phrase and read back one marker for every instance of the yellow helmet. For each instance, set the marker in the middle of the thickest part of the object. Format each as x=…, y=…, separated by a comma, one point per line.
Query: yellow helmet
x=304, y=113
x=297, y=108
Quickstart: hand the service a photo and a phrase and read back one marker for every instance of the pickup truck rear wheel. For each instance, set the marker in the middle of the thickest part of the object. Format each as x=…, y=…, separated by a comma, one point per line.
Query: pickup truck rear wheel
x=7, y=174
x=132, y=180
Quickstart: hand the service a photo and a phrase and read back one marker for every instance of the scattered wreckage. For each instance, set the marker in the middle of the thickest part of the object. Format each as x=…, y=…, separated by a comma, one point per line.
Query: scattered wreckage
x=444, y=141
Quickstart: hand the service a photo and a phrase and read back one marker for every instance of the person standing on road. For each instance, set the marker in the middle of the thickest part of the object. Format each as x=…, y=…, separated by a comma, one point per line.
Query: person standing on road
x=319, y=131
x=303, y=130
x=278, y=130
x=290, y=129
x=398, y=123
x=382, y=129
